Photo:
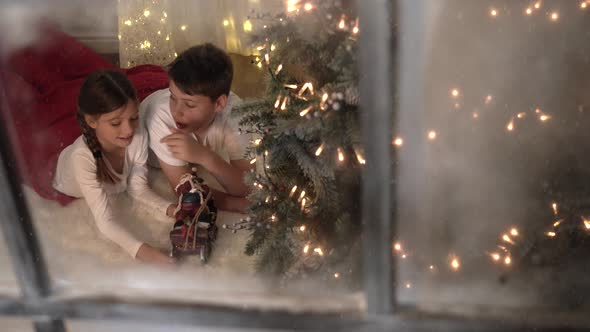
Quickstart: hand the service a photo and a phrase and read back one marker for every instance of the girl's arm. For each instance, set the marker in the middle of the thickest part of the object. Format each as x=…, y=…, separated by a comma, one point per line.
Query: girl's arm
x=97, y=200
x=138, y=184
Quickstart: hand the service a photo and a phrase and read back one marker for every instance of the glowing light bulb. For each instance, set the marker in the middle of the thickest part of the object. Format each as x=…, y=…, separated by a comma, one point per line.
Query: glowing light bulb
x=507, y=238
x=555, y=224
x=225, y=23
x=247, y=26
x=586, y=223
x=293, y=190
x=583, y=5
x=127, y=22
x=257, y=141
x=521, y=115
x=551, y=234
x=510, y=125
x=397, y=246
x=319, y=150
x=284, y=104
x=272, y=47
x=455, y=264
x=146, y=13
x=432, y=135
x=488, y=99
x=302, y=228
x=431, y=267
x=507, y=260
x=336, y=275
x=514, y=232
x=495, y=256
x=305, y=111
x=183, y=27
x=544, y=117
x=529, y=11
x=306, y=249
x=408, y=285
x=475, y=115
x=318, y=251
x=308, y=6
x=493, y=13
x=554, y=206
x=455, y=93
x=398, y=141
x=253, y=161
x=342, y=24
x=538, y=5
x=279, y=68
x=554, y=16
x=340, y=155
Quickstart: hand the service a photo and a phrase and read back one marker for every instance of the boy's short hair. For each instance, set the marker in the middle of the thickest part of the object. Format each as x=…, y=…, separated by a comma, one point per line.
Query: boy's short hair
x=202, y=70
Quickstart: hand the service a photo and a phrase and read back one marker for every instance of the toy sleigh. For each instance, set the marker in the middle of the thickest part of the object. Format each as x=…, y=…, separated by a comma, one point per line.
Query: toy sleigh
x=195, y=229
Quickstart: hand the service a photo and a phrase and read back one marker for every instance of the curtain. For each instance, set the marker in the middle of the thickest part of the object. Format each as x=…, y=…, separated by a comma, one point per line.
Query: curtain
x=154, y=31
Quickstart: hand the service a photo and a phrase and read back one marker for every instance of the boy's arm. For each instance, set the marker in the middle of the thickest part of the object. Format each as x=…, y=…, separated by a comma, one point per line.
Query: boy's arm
x=229, y=175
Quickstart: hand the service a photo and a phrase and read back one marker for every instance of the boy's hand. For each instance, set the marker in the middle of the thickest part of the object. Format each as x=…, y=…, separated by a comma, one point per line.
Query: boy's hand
x=184, y=147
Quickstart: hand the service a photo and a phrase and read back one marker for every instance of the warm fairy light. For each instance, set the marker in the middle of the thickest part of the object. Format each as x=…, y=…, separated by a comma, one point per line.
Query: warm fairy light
x=309, y=86
x=404, y=256
x=303, y=204
x=267, y=58
x=397, y=246
x=293, y=190
x=267, y=200
x=398, y=141
x=342, y=24
x=306, y=248
x=507, y=238
x=257, y=141
x=554, y=16
x=278, y=101
x=493, y=13
x=554, y=206
x=555, y=224
x=302, y=195
x=538, y=5
x=521, y=115
x=290, y=86
x=183, y=27
x=488, y=99
x=266, y=153
x=324, y=97
x=529, y=11
x=146, y=13
x=127, y=22
x=308, y=6
x=514, y=232
x=431, y=267
x=507, y=260
x=495, y=256
x=510, y=125
x=305, y=111
x=360, y=158
x=318, y=152
x=340, y=155
x=260, y=48
x=272, y=47
x=302, y=228
x=318, y=251
x=431, y=135
x=279, y=68
x=455, y=264
x=225, y=23
x=253, y=161
x=292, y=5
x=455, y=93
x=259, y=65
x=119, y=36
x=551, y=234
x=583, y=5
x=355, y=30
x=164, y=13
x=273, y=217
x=284, y=104
x=167, y=39
x=336, y=275
x=544, y=117
x=408, y=285
x=586, y=223
x=247, y=25
x=537, y=110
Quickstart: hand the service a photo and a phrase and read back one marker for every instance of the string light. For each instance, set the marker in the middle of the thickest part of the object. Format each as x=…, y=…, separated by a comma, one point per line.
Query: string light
x=507, y=260
x=290, y=86
x=272, y=47
x=398, y=141
x=538, y=5
x=306, y=248
x=253, y=161
x=319, y=150
x=303, y=204
x=146, y=13
x=279, y=68
x=507, y=238
x=183, y=27
x=342, y=24
x=360, y=158
x=583, y=5
x=586, y=223
x=397, y=246
x=247, y=26
x=488, y=99
x=431, y=267
x=555, y=224
x=554, y=16
x=551, y=234
x=284, y=104
x=267, y=58
x=305, y=111
x=301, y=196
x=554, y=206
x=475, y=115
x=544, y=117
x=510, y=125
x=408, y=285
x=432, y=135
x=340, y=155
x=495, y=256
x=455, y=264
x=355, y=30
x=308, y=6
x=278, y=101
x=455, y=93
x=225, y=23
x=292, y=5
x=521, y=115
x=336, y=275
x=257, y=141
x=302, y=228
x=529, y=11
x=514, y=232
x=493, y=13
x=127, y=22
x=293, y=190
x=318, y=251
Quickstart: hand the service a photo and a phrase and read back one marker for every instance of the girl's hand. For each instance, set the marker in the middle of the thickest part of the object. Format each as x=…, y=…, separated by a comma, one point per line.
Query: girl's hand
x=170, y=210
x=149, y=254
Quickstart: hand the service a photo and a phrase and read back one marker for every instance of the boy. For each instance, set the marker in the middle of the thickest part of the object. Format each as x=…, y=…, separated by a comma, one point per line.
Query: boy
x=190, y=123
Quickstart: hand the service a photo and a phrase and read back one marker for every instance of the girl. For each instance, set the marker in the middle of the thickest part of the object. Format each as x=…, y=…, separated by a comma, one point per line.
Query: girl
x=109, y=158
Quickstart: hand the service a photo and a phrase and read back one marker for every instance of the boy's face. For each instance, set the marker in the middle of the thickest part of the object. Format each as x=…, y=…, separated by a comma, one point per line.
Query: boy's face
x=193, y=112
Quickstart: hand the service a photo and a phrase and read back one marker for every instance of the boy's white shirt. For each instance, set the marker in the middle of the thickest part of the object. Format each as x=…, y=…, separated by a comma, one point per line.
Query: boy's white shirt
x=76, y=176
x=222, y=137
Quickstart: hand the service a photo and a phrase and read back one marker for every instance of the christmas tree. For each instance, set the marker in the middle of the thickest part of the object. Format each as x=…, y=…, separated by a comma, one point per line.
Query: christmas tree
x=305, y=206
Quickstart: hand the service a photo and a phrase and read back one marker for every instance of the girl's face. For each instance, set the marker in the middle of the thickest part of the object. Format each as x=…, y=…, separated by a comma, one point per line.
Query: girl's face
x=115, y=129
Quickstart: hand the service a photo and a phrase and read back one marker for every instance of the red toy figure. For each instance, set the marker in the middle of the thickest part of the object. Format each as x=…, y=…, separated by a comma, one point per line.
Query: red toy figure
x=195, y=230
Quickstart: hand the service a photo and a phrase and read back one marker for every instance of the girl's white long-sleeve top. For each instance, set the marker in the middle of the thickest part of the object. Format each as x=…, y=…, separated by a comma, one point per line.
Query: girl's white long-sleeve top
x=76, y=176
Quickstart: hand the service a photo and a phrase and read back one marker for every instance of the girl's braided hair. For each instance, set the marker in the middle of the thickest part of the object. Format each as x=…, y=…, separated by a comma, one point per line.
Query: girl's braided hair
x=103, y=92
